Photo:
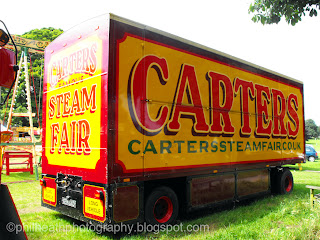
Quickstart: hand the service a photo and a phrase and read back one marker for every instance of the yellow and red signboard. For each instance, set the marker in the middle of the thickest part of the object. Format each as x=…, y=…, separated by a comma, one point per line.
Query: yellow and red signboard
x=179, y=109
x=49, y=191
x=93, y=206
x=73, y=105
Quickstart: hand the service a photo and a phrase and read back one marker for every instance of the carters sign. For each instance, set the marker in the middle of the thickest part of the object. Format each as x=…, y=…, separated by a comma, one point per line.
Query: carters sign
x=81, y=61
x=73, y=104
x=220, y=101
x=180, y=108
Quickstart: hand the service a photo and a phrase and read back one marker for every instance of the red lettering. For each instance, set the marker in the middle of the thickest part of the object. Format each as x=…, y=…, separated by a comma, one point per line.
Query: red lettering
x=59, y=70
x=278, y=112
x=66, y=109
x=220, y=112
x=79, y=61
x=73, y=125
x=292, y=103
x=85, y=59
x=83, y=137
x=262, y=100
x=188, y=86
x=89, y=99
x=54, y=136
x=75, y=141
x=247, y=91
x=60, y=104
x=64, y=67
x=93, y=58
x=75, y=107
x=139, y=93
x=59, y=99
x=53, y=76
x=72, y=60
x=64, y=141
x=52, y=103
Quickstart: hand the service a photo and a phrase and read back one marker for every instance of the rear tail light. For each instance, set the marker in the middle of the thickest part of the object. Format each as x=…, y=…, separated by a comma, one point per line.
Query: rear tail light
x=99, y=194
x=42, y=182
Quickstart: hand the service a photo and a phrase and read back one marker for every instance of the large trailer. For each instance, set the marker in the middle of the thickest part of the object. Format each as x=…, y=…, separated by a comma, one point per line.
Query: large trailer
x=140, y=125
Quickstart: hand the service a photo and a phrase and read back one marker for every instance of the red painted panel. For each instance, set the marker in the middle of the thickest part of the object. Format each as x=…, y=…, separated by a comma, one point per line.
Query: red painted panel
x=7, y=60
x=93, y=206
x=73, y=39
x=49, y=191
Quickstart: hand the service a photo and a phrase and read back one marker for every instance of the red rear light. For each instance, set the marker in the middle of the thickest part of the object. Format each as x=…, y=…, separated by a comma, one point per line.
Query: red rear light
x=99, y=194
x=42, y=182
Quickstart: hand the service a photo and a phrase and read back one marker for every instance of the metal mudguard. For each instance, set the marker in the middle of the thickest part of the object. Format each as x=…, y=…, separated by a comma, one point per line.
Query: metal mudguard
x=10, y=223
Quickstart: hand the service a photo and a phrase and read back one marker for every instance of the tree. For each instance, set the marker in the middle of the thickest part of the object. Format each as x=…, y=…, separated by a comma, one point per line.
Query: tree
x=43, y=34
x=35, y=75
x=271, y=11
x=311, y=129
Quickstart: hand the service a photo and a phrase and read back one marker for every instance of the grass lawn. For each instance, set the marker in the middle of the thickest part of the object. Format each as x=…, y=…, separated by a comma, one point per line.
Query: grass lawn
x=315, y=143
x=271, y=217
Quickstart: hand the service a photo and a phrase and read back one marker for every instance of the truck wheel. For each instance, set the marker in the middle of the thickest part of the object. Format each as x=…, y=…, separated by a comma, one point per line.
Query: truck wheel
x=285, y=182
x=161, y=206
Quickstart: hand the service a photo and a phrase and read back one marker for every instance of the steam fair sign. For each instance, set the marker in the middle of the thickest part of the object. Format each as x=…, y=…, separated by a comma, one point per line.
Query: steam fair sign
x=73, y=104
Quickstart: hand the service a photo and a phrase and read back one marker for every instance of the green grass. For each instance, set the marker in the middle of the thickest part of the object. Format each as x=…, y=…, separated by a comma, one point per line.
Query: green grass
x=315, y=143
x=16, y=177
x=270, y=217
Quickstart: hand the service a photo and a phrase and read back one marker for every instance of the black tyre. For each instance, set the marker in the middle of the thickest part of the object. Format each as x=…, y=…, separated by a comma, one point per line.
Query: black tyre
x=285, y=182
x=162, y=206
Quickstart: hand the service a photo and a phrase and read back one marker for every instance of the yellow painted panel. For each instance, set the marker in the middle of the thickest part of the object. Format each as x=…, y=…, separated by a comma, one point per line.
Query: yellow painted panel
x=74, y=105
x=164, y=149
x=49, y=194
x=93, y=206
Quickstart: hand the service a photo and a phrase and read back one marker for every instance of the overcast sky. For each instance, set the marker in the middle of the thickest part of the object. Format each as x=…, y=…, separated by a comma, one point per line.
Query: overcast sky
x=222, y=25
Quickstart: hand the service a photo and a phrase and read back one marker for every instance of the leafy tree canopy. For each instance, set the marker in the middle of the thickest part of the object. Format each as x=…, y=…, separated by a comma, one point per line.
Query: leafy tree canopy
x=271, y=11
x=36, y=76
x=43, y=34
x=311, y=129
